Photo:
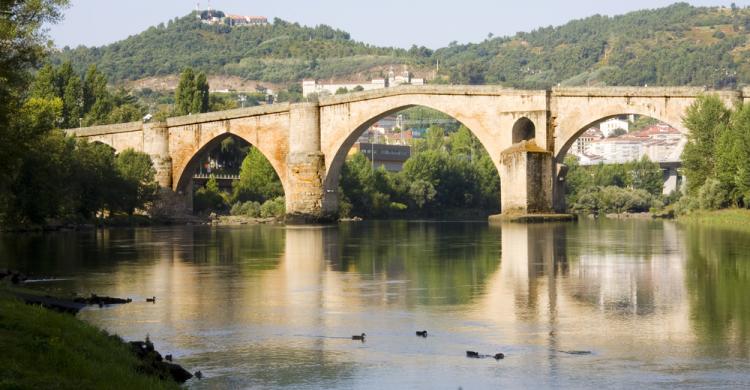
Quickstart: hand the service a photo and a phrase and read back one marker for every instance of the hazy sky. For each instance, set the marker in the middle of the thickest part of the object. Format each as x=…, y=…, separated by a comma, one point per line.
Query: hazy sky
x=433, y=23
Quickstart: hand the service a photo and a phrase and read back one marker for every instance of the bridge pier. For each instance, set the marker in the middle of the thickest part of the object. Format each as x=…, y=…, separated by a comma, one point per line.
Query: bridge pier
x=156, y=145
x=527, y=184
x=305, y=167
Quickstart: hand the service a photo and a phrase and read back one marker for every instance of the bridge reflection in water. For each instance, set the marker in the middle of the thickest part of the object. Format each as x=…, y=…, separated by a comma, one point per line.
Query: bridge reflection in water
x=263, y=305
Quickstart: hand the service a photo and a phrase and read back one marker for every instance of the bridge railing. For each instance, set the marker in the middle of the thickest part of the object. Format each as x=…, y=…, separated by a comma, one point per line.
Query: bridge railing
x=208, y=176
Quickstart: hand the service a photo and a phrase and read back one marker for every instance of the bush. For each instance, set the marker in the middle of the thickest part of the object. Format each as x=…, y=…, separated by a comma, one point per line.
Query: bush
x=273, y=208
x=209, y=198
x=247, y=209
x=613, y=199
x=713, y=195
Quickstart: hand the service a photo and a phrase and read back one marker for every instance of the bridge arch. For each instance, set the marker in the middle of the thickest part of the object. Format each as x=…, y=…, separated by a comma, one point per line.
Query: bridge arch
x=337, y=143
x=570, y=137
x=523, y=130
x=184, y=169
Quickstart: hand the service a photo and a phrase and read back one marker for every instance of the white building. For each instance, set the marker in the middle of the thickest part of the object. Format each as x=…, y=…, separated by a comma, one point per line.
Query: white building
x=580, y=146
x=617, y=150
x=314, y=87
x=609, y=126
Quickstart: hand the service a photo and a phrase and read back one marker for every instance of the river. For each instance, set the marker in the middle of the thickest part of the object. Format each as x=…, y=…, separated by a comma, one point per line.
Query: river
x=655, y=303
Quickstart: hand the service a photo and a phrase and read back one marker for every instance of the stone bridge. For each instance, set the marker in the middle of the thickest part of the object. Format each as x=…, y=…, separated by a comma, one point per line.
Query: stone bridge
x=526, y=133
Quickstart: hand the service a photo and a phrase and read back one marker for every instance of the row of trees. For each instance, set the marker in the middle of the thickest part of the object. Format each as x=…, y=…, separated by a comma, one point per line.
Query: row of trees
x=47, y=175
x=85, y=101
x=716, y=159
x=614, y=188
x=445, y=174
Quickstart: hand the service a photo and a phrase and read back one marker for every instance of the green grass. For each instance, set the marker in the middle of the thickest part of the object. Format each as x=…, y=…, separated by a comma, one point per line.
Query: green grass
x=42, y=349
x=736, y=219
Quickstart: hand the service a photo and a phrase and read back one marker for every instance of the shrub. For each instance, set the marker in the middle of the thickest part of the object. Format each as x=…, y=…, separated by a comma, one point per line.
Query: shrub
x=248, y=209
x=713, y=195
x=613, y=199
x=273, y=208
x=209, y=198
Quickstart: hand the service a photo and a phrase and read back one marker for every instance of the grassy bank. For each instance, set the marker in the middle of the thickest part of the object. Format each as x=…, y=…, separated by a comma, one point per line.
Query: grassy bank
x=42, y=349
x=737, y=219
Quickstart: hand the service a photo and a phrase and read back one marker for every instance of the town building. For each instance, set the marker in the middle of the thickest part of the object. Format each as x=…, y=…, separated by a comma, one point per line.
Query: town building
x=240, y=20
x=216, y=17
x=310, y=87
x=660, y=143
x=581, y=145
x=610, y=126
x=391, y=157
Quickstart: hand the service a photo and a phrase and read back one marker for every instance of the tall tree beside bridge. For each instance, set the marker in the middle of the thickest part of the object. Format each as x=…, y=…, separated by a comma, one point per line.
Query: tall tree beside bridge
x=191, y=96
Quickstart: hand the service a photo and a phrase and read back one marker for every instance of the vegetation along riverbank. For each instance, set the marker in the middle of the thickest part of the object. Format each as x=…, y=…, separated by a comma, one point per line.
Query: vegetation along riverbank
x=44, y=349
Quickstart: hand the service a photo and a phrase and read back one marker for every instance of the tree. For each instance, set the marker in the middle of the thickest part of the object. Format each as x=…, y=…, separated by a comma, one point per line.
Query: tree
x=192, y=93
x=209, y=198
x=95, y=178
x=24, y=46
x=706, y=119
x=183, y=96
x=138, y=184
x=645, y=175
x=258, y=179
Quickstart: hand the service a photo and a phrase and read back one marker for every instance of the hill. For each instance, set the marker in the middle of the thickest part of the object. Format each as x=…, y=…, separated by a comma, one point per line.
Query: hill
x=675, y=45
x=279, y=52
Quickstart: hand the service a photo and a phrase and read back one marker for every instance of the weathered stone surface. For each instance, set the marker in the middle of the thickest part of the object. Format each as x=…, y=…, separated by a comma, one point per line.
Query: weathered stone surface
x=307, y=143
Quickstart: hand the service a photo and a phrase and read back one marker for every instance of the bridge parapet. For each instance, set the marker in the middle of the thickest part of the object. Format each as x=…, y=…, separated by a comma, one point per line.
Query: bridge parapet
x=443, y=90
x=106, y=129
x=237, y=113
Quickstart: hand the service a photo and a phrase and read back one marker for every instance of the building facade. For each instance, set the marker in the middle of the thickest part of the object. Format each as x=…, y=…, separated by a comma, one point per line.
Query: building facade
x=310, y=87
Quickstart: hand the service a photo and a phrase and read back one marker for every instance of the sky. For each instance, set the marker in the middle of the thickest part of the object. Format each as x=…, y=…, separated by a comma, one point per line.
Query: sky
x=431, y=23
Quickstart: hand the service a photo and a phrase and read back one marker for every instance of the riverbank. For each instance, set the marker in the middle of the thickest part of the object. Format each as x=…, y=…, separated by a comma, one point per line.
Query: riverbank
x=736, y=219
x=43, y=349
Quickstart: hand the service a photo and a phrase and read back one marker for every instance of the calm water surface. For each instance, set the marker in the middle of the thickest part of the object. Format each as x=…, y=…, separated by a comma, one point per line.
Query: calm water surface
x=657, y=304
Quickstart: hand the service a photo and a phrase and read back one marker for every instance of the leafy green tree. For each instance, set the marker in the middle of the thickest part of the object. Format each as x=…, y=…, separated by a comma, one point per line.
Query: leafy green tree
x=209, y=198
x=137, y=174
x=191, y=95
x=258, y=180
x=24, y=44
x=95, y=178
x=422, y=192
x=706, y=119
x=73, y=102
x=42, y=186
x=645, y=174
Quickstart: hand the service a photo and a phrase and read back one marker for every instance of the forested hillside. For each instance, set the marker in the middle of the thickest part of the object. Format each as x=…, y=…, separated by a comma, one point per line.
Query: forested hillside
x=676, y=45
x=279, y=52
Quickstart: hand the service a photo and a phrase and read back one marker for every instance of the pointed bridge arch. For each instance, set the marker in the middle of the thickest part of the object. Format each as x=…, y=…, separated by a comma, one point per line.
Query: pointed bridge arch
x=490, y=113
x=192, y=135
x=577, y=109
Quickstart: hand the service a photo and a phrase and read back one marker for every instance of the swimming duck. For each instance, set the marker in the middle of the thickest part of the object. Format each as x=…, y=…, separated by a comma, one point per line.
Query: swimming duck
x=422, y=333
x=472, y=354
x=499, y=356
x=198, y=375
x=168, y=358
x=360, y=337
x=152, y=299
